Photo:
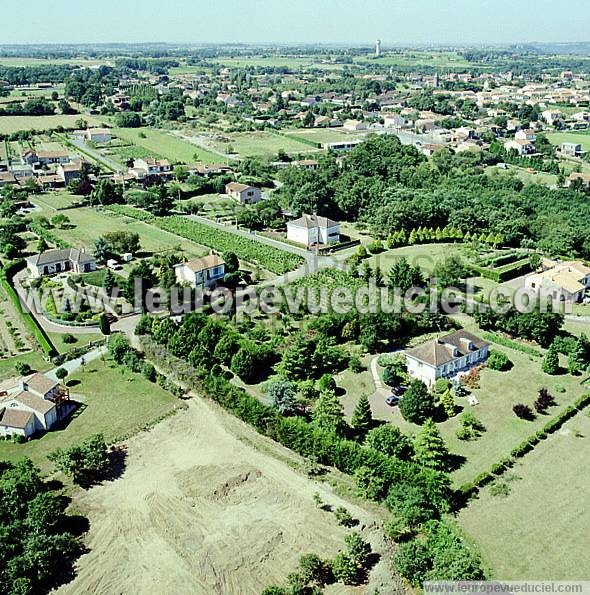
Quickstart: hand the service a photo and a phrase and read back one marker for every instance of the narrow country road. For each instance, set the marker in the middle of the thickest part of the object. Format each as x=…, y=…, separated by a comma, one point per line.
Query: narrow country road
x=74, y=364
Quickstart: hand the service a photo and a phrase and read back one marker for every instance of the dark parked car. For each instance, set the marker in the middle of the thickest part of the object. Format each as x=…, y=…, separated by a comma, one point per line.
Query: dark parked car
x=392, y=400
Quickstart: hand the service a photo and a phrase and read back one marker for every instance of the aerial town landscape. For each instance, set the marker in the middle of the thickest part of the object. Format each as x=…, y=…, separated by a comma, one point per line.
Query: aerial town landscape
x=292, y=318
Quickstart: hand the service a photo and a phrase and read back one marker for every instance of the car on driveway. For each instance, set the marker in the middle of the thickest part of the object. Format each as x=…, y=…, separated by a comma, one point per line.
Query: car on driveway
x=392, y=400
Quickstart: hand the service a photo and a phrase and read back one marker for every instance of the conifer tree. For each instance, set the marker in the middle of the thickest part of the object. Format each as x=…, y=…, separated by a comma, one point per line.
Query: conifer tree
x=362, y=417
x=429, y=447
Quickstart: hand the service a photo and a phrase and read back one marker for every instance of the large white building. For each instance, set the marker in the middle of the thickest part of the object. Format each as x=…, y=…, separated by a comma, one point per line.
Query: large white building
x=311, y=229
x=445, y=356
x=201, y=273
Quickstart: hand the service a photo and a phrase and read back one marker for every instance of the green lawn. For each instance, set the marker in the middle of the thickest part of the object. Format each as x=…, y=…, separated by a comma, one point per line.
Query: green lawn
x=116, y=403
x=10, y=124
x=423, y=255
x=82, y=339
x=166, y=145
x=323, y=135
x=89, y=224
x=261, y=143
x=570, y=137
x=540, y=530
x=33, y=358
x=528, y=177
x=498, y=392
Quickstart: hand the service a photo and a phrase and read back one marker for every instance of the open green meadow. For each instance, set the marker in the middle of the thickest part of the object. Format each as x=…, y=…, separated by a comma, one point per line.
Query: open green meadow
x=539, y=530
x=293, y=62
x=153, y=239
x=322, y=135
x=261, y=143
x=10, y=124
x=166, y=145
x=582, y=137
x=115, y=402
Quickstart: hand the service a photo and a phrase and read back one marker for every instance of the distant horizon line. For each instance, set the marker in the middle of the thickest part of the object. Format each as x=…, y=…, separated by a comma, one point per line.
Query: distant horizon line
x=288, y=44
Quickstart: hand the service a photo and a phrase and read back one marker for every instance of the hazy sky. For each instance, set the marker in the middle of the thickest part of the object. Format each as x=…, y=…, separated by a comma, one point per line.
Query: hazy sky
x=329, y=21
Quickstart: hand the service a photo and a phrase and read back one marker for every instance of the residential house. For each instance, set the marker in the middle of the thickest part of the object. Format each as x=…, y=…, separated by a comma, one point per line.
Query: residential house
x=69, y=172
x=30, y=157
x=354, y=125
x=393, y=120
x=552, y=117
x=565, y=281
x=311, y=230
x=151, y=168
x=584, y=179
x=7, y=179
x=527, y=134
x=201, y=273
x=446, y=356
x=36, y=405
x=243, y=193
x=341, y=146
x=571, y=149
x=522, y=147
x=60, y=260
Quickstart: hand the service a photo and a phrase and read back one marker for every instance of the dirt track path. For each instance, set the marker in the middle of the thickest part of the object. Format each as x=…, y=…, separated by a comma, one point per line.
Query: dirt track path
x=200, y=509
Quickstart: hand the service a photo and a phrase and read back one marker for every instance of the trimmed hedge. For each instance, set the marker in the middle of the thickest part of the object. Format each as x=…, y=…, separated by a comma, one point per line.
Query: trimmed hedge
x=500, y=340
x=6, y=275
x=526, y=446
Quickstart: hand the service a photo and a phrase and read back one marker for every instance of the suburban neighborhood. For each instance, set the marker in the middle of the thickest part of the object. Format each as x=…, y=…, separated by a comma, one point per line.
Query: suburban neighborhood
x=297, y=317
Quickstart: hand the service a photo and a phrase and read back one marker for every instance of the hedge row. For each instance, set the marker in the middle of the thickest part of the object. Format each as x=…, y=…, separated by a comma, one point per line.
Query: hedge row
x=500, y=340
x=48, y=235
x=6, y=275
x=504, y=273
x=526, y=446
x=301, y=436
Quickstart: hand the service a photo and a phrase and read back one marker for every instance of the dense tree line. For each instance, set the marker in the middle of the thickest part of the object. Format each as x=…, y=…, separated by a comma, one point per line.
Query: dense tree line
x=393, y=187
x=37, y=550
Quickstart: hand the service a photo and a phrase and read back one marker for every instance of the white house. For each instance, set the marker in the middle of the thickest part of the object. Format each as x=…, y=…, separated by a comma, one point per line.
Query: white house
x=565, y=281
x=201, y=273
x=521, y=146
x=311, y=229
x=149, y=167
x=446, y=356
x=527, y=134
x=243, y=193
x=60, y=260
x=36, y=406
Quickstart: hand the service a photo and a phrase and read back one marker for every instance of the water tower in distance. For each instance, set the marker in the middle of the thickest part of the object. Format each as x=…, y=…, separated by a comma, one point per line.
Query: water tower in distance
x=377, y=48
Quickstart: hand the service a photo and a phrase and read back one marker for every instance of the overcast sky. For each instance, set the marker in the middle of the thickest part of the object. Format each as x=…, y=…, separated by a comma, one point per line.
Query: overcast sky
x=309, y=21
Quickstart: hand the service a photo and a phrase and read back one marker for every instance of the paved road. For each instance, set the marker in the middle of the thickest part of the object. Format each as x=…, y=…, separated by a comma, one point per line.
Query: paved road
x=107, y=161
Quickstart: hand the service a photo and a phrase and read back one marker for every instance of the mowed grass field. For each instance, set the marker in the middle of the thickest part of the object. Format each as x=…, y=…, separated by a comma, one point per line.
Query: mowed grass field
x=540, y=530
x=322, y=135
x=424, y=256
x=261, y=143
x=497, y=394
x=166, y=145
x=581, y=137
x=10, y=124
x=115, y=402
x=89, y=224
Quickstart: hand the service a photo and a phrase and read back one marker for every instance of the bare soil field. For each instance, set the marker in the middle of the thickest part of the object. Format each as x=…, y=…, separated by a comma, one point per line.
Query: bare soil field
x=206, y=505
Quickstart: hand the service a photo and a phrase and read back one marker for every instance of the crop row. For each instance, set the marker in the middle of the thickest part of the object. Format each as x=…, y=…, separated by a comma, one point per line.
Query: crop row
x=273, y=259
